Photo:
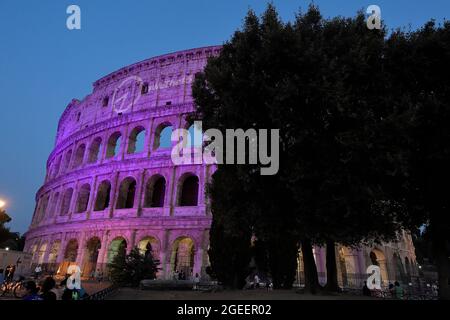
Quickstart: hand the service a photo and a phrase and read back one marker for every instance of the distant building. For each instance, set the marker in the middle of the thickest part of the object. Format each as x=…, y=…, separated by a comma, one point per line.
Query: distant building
x=21, y=260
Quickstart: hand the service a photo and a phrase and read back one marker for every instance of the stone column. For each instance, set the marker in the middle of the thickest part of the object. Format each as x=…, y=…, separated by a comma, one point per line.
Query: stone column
x=81, y=250
x=85, y=155
x=103, y=148
x=114, y=192
x=149, y=137
x=102, y=258
x=62, y=249
x=173, y=192
x=124, y=144
x=165, y=255
x=73, y=201
x=362, y=265
x=47, y=251
x=140, y=190
x=132, y=238
x=198, y=257
x=92, y=196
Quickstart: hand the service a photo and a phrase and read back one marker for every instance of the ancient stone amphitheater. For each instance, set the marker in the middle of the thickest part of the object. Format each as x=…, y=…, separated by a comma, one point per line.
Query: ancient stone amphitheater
x=111, y=184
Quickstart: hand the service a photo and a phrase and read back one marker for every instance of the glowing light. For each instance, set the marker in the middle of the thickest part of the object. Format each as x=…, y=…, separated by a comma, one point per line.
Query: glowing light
x=2, y=203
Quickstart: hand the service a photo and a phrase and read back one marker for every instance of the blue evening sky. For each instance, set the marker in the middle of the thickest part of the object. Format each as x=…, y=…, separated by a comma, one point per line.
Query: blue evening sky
x=43, y=65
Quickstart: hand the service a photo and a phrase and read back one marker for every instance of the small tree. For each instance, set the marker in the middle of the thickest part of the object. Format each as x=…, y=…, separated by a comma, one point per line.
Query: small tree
x=132, y=268
x=117, y=268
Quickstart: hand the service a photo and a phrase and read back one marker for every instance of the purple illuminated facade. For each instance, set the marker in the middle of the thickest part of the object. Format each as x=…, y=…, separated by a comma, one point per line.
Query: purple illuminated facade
x=104, y=192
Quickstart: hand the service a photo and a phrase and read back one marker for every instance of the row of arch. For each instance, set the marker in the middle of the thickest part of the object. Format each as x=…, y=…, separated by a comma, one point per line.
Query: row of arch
x=84, y=154
x=181, y=258
x=352, y=265
x=154, y=196
x=401, y=269
x=391, y=269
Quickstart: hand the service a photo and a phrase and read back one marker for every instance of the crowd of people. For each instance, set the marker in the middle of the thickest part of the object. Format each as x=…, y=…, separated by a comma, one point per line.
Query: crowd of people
x=254, y=281
x=49, y=290
x=395, y=290
x=45, y=287
x=7, y=274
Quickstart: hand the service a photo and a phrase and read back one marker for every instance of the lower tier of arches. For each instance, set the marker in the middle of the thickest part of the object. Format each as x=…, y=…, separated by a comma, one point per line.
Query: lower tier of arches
x=179, y=249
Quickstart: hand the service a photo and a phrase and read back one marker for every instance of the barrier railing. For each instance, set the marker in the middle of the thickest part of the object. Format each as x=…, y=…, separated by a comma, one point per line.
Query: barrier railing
x=102, y=294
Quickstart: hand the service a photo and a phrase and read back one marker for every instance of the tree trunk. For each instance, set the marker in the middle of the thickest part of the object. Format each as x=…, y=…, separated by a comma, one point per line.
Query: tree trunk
x=332, y=281
x=310, y=268
x=442, y=262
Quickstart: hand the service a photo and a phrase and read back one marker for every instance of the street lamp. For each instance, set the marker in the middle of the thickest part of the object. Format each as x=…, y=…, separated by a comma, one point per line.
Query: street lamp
x=2, y=203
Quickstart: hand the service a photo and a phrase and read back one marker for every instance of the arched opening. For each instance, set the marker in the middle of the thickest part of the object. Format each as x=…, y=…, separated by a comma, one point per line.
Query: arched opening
x=83, y=198
x=54, y=205
x=127, y=191
x=163, y=136
x=348, y=267
x=70, y=256
x=79, y=156
x=43, y=204
x=34, y=253
x=118, y=245
x=399, y=268
x=67, y=198
x=408, y=269
x=53, y=254
x=91, y=255
x=149, y=245
x=189, y=191
x=94, y=150
x=182, y=258
x=57, y=167
x=67, y=160
x=378, y=258
x=41, y=253
x=155, y=192
x=71, y=251
x=136, y=140
x=103, y=196
x=113, y=147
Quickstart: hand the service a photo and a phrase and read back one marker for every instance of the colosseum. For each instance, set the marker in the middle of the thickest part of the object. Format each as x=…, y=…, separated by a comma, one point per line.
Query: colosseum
x=111, y=184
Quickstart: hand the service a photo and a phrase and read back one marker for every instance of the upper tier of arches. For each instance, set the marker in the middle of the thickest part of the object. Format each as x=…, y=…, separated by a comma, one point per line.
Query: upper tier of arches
x=158, y=82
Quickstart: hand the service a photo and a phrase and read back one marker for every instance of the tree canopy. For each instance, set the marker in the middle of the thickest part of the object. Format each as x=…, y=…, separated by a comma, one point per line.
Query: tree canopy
x=362, y=137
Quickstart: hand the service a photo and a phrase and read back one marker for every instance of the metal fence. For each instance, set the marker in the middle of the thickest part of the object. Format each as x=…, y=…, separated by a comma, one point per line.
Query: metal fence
x=102, y=294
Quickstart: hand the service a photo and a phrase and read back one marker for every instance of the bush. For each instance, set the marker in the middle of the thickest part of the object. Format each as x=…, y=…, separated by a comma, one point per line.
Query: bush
x=129, y=270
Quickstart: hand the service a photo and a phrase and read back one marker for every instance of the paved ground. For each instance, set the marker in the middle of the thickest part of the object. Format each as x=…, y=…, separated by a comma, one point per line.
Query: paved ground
x=91, y=287
x=137, y=294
